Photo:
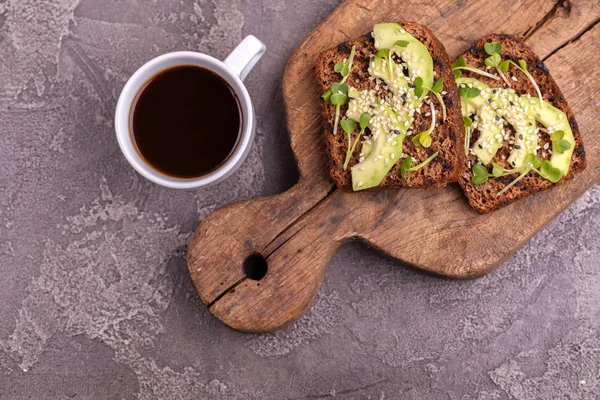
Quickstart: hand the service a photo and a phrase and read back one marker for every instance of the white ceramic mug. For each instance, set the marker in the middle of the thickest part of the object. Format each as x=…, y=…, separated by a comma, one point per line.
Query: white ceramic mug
x=233, y=70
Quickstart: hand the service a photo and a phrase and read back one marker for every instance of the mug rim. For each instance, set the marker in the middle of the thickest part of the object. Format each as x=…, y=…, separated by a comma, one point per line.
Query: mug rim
x=137, y=82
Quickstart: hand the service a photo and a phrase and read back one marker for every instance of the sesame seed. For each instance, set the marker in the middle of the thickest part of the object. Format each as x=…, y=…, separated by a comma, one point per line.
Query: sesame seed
x=514, y=78
x=359, y=184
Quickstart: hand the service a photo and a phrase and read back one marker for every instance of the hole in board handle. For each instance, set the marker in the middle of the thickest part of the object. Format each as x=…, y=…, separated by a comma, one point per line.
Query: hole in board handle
x=255, y=267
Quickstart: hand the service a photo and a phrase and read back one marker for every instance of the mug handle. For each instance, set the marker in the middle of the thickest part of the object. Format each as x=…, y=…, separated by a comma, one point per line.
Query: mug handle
x=243, y=58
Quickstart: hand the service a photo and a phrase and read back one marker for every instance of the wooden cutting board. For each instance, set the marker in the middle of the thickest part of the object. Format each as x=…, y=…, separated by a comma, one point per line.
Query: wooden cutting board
x=435, y=230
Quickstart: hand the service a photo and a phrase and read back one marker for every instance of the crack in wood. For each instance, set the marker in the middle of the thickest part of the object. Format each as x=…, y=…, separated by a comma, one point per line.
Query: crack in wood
x=573, y=39
x=287, y=229
x=561, y=7
x=225, y=292
x=331, y=191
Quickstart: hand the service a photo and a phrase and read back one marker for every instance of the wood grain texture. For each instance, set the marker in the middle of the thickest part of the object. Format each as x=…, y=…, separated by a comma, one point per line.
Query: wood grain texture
x=434, y=229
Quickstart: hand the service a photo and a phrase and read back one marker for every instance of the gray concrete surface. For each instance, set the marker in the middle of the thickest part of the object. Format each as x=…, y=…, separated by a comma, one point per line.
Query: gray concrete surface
x=95, y=298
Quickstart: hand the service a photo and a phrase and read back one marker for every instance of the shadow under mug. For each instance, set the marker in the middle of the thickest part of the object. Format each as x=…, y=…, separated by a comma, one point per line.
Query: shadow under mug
x=232, y=70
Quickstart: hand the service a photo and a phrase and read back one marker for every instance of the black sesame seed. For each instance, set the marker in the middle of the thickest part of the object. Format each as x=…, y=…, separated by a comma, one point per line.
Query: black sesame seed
x=489, y=100
x=480, y=147
x=517, y=146
x=521, y=136
x=372, y=106
x=497, y=118
x=494, y=91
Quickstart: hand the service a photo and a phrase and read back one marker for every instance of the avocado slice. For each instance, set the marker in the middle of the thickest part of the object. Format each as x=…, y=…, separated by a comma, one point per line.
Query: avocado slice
x=488, y=106
x=554, y=120
x=389, y=122
x=386, y=150
x=415, y=54
x=521, y=116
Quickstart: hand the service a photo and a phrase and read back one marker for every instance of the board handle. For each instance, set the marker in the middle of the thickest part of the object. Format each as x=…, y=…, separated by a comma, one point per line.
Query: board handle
x=258, y=265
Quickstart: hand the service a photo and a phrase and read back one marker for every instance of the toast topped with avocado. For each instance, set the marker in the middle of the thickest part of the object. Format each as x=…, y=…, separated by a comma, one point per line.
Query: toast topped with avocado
x=391, y=110
x=520, y=134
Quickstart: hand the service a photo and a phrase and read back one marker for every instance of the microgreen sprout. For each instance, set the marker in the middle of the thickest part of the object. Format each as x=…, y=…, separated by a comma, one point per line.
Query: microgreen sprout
x=494, y=60
x=348, y=125
x=387, y=54
x=480, y=174
x=531, y=163
x=438, y=86
x=467, y=122
x=460, y=64
x=560, y=144
x=424, y=138
x=365, y=118
x=468, y=92
x=338, y=94
x=522, y=66
x=406, y=167
x=347, y=66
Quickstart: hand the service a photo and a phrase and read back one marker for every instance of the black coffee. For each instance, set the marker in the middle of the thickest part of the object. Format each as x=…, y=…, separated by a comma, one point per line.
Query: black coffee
x=186, y=121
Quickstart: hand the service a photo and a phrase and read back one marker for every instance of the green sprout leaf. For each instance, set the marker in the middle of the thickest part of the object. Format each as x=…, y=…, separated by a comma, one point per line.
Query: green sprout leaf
x=460, y=62
x=557, y=136
x=438, y=86
x=562, y=145
x=468, y=92
x=365, y=118
x=401, y=43
x=348, y=125
x=523, y=64
x=493, y=60
x=456, y=65
x=327, y=95
x=342, y=68
x=549, y=172
x=418, y=84
x=504, y=65
x=338, y=99
x=529, y=159
x=405, y=167
x=467, y=121
x=497, y=170
x=480, y=174
x=423, y=139
x=383, y=53
x=340, y=88
x=493, y=48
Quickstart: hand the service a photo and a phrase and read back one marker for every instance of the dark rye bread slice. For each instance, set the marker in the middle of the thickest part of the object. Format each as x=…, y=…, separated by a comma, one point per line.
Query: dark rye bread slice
x=447, y=137
x=483, y=197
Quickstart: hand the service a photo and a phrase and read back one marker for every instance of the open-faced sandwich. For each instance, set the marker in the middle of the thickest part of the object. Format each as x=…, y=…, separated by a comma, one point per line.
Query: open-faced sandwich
x=521, y=136
x=391, y=110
